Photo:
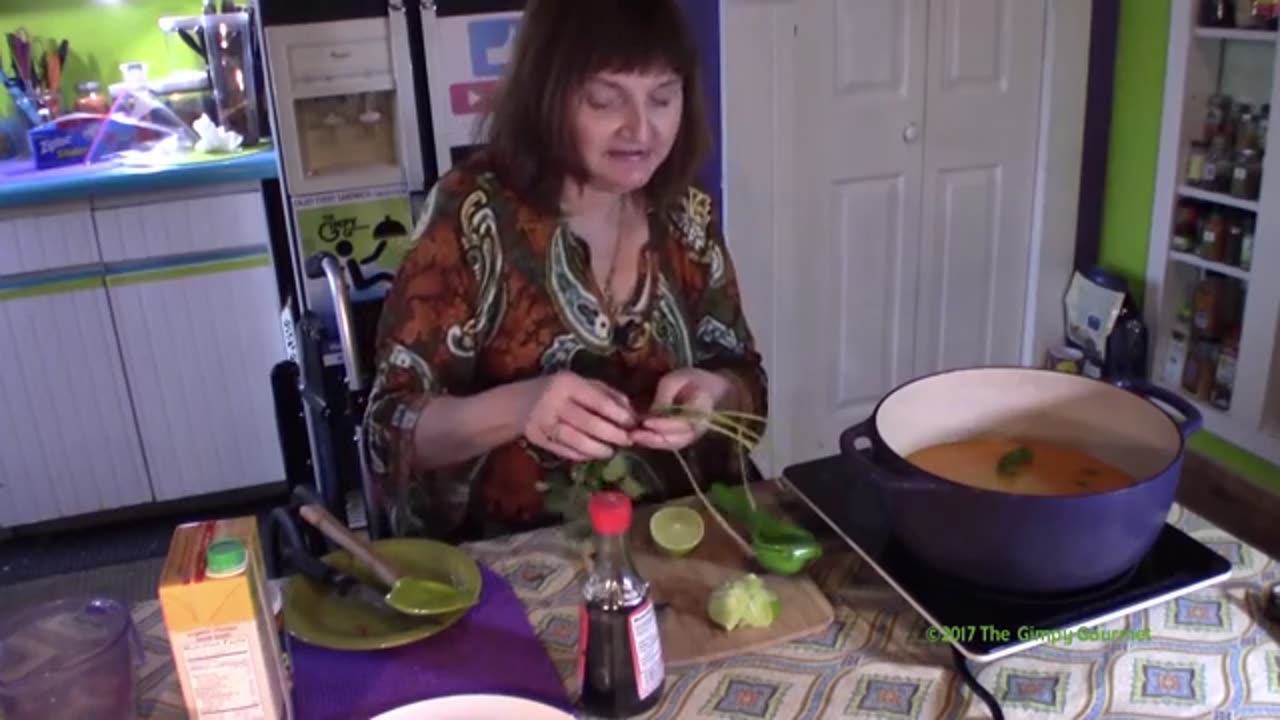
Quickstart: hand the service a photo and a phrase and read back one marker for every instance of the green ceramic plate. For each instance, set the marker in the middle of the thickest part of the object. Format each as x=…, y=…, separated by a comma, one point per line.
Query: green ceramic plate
x=314, y=613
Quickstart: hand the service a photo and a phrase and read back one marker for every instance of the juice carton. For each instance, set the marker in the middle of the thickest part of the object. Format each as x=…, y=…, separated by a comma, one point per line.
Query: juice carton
x=213, y=592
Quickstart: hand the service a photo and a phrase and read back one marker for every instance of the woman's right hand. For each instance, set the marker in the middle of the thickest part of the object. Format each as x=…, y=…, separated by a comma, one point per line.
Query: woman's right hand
x=577, y=418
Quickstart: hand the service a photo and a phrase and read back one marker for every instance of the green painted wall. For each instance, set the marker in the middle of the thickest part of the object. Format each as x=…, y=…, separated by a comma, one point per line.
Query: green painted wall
x=1131, y=169
x=102, y=34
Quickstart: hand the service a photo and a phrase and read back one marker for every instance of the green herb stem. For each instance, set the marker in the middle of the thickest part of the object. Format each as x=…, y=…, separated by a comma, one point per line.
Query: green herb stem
x=746, y=547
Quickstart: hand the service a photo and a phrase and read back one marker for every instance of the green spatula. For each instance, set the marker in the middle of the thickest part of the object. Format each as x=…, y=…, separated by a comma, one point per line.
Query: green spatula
x=408, y=595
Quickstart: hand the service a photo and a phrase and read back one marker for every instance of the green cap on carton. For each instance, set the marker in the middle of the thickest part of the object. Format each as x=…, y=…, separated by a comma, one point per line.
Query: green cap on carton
x=225, y=557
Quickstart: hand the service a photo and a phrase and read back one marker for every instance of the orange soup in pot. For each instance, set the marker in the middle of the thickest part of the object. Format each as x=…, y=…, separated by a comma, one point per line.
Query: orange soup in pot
x=1025, y=467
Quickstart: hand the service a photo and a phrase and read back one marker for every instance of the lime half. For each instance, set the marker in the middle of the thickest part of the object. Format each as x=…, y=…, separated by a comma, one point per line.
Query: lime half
x=743, y=602
x=677, y=529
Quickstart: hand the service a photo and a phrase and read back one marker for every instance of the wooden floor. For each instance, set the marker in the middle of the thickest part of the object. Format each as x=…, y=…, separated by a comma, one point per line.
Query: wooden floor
x=1235, y=504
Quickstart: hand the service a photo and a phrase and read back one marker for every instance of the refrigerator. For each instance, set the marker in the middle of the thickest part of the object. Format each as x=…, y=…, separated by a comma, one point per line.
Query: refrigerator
x=371, y=102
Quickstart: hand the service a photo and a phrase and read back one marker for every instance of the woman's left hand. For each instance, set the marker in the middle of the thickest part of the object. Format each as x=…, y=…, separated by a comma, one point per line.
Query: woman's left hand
x=699, y=390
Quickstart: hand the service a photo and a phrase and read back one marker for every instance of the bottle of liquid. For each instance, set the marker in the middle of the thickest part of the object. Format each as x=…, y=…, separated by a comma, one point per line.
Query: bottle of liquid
x=1175, y=363
x=1224, y=376
x=1127, y=346
x=620, y=660
x=1245, y=257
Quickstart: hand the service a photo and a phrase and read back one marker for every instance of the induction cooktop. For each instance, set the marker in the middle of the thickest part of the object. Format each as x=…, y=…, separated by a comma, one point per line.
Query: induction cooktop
x=983, y=624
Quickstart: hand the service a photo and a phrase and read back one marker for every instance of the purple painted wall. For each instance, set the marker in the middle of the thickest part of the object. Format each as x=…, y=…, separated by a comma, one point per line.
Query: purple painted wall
x=704, y=17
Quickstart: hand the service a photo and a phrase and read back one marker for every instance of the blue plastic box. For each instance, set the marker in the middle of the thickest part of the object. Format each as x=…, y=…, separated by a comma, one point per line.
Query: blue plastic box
x=65, y=141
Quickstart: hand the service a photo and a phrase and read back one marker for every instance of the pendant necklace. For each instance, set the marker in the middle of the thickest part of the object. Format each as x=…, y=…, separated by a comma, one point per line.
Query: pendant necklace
x=610, y=306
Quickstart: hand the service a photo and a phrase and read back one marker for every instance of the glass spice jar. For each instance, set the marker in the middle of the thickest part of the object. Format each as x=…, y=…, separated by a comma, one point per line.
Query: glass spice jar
x=1231, y=126
x=1196, y=156
x=1244, y=14
x=1186, y=227
x=1246, y=130
x=1217, y=167
x=1213, y=237
x=1235, y=239
x=1245, y=259
x=1197, y=375
x=1215, y=117
x=1224, y=376
x=1246, y=176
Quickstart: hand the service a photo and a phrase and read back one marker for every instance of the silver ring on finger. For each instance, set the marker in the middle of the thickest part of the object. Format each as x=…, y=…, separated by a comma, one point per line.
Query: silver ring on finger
x=554, y=433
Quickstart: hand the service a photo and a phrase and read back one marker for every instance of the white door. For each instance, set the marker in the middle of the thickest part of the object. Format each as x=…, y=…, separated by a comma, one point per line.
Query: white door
x=916, y=126
x=860, y=88
x=983, y=119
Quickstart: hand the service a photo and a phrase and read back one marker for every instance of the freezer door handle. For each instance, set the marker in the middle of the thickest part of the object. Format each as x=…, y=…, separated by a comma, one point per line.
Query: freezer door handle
x=411, y=158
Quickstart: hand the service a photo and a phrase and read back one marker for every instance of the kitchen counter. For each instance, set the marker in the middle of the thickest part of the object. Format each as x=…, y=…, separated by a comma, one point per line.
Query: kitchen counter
x=153, y=271
x=21, y=184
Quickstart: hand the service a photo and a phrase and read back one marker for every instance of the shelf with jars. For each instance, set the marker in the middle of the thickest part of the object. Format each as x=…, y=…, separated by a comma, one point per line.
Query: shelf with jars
x=1211, y=302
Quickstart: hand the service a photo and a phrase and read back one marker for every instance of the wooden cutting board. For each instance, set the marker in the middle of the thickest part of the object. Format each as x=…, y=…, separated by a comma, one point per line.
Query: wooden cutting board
x=685, y=584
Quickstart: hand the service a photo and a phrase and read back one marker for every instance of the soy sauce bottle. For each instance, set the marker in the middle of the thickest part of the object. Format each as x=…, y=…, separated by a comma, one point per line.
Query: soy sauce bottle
x=620, y=662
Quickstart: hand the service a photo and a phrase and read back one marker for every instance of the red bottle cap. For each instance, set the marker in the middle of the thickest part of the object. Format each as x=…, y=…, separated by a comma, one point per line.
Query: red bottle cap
x=610, y=512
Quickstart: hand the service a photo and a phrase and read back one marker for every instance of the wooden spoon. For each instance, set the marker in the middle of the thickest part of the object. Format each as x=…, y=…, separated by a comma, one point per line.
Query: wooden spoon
x=409, y=595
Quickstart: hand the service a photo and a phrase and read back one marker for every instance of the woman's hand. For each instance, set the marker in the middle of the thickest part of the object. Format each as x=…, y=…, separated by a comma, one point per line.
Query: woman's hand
x=576, y=418
x=700, y=390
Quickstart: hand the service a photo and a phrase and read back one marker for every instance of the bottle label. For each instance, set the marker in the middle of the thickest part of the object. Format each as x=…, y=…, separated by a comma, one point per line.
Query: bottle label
x=646, y=649
x=1175, y=364
x=1226, y=372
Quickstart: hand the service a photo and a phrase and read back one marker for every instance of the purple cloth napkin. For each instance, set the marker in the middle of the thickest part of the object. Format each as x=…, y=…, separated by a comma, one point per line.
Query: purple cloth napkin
x=492, y=649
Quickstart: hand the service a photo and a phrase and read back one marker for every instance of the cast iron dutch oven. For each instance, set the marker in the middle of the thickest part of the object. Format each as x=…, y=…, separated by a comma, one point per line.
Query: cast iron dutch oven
x=1025, y=543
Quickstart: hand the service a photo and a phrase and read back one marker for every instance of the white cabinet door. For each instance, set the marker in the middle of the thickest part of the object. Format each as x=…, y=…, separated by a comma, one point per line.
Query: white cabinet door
x=70, y=444
x=861, y=90
x=48, y=238
x=199, y=342
x=984, y=68
x=138, y=228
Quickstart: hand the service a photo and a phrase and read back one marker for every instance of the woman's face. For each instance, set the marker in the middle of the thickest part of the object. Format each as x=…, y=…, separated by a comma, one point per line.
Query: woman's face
x=625, y=125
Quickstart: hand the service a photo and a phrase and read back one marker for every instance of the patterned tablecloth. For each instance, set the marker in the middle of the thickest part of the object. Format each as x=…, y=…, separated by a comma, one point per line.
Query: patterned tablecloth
x=1211, y=654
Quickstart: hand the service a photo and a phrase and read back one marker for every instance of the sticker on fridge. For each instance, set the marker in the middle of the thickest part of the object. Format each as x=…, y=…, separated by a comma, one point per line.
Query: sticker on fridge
x=368, y=234
x=466, y=59
x=491, y=39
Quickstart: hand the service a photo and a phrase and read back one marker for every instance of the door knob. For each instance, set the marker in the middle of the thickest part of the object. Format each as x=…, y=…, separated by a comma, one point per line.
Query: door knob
x=910, y=132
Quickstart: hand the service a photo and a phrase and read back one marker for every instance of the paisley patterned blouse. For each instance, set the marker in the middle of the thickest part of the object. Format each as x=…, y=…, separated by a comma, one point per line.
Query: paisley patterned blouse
x=494, y=292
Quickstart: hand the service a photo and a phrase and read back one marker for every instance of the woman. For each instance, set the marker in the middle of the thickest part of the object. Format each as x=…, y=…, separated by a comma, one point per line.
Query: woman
x=564, y=280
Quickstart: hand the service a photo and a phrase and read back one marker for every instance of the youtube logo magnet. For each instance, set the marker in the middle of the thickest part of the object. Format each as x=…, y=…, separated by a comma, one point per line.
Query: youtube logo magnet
x=469, y=98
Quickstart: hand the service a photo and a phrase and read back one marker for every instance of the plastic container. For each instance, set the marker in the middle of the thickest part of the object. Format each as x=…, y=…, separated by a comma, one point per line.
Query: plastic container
x=229, y=41
x=72, y=659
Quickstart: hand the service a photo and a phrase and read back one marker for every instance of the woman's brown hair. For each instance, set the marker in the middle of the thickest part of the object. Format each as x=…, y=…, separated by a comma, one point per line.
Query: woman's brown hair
x=560, y=45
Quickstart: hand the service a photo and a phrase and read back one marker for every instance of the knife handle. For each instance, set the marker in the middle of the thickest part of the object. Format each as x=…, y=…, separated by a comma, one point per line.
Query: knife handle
x=325, y=522
x=294, y=553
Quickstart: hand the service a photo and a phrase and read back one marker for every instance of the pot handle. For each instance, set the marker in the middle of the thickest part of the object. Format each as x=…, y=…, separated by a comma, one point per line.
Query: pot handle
x=882, y=477
x=1191, y=421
